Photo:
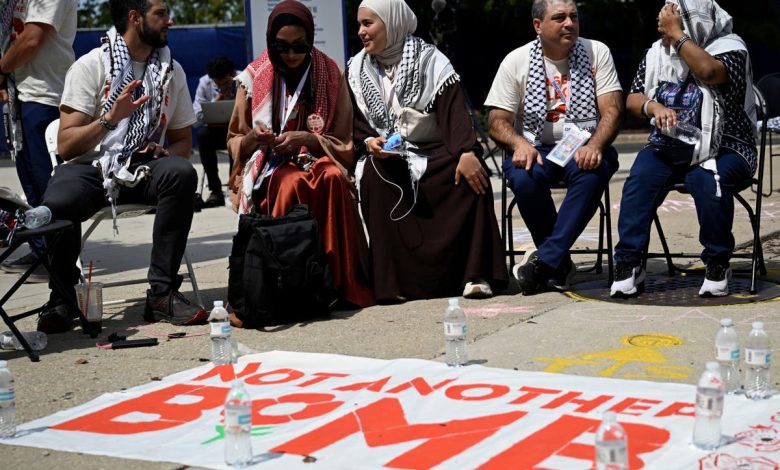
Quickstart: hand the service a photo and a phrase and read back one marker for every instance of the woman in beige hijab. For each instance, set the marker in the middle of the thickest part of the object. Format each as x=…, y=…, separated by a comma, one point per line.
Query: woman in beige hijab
x=427, y=206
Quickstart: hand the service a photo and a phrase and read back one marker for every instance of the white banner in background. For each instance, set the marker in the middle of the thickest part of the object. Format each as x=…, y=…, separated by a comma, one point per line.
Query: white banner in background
x=337, y=412
x=329, y=27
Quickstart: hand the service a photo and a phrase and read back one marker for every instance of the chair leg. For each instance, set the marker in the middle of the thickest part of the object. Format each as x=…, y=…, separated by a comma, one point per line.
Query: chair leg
x=193, y=281
x=602, y=215
x=608, y=221
x=669, y=263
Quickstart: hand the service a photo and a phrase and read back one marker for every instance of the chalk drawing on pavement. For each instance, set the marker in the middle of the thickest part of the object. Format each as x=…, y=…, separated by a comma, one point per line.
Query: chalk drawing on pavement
x=493, y=310
x=643, y=350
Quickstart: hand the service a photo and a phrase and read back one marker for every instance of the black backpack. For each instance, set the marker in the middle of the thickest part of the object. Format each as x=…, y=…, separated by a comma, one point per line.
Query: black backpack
x=278, y=270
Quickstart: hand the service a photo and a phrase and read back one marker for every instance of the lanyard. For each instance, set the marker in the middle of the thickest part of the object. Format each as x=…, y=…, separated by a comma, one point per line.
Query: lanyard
x=558, y=89
x=285, y=108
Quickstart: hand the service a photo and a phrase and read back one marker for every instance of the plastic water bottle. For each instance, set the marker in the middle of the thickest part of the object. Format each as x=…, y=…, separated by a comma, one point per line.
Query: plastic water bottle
x=221, y=350
x=7, y=402
x=709, y=408
x=758, y=355
x=682, y=131
x=238, y=426
x=727, y=354
x=37, y=217
x=455, y=329
x=36, y=339
x=611, y=444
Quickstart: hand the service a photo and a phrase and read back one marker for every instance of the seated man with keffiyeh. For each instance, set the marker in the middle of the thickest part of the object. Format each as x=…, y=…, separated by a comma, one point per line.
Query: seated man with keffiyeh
x=554, y=85
x=121, y=102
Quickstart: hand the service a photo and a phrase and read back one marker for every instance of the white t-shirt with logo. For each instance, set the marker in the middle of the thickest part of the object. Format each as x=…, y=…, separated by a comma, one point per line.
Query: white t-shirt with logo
x=509, y=85
x=41, y=79
x=86, y=79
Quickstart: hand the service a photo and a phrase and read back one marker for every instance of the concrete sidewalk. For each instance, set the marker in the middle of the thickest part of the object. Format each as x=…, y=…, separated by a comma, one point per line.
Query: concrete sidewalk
x=546, y=332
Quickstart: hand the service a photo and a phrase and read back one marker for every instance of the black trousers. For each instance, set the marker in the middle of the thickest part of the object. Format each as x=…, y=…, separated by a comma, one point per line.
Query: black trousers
x=75, y=193
x=211, y=139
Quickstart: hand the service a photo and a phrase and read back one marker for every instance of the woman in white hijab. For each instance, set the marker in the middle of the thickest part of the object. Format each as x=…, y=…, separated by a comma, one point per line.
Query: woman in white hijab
x=698, y=75
x=427, y=205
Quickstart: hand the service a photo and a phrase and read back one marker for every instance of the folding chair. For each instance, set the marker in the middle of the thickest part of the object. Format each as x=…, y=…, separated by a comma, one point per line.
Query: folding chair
x=769, y=86
x=52, y=231
x=605, y=231
x=756, y=254
x=123, y=211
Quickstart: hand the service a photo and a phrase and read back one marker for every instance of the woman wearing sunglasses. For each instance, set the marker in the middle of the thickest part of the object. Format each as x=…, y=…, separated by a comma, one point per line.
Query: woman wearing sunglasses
x=290, y=139
x=427, y=203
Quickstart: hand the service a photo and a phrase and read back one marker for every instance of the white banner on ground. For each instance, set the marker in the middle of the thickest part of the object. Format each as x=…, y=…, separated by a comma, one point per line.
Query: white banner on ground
x=338, y=412
x=329, y=29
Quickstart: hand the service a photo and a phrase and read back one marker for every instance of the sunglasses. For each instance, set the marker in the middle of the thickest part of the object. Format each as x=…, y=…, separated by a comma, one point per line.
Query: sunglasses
x=281, y=47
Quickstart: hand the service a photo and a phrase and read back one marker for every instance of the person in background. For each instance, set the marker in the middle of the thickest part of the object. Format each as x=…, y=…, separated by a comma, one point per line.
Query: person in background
x=127, y=111
x=218, y=84
x=555, y=84
x=698, y=74
x=428, y=207
x=290, y=137
x=36, y=41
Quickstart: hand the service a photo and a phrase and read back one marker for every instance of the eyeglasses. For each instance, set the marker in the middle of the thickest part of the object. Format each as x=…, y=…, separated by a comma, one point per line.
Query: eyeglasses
x=281, y=47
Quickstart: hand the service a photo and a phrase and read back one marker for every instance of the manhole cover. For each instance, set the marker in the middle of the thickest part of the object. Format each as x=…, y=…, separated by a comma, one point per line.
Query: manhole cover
x=680, y=291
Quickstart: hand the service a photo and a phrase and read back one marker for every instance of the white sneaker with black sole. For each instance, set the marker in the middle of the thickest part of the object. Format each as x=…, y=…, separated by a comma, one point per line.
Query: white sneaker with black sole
x=716, y=281
x=629, y=280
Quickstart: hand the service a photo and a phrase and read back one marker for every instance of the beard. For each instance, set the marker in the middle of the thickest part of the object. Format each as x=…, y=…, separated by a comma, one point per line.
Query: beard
x=152, y=37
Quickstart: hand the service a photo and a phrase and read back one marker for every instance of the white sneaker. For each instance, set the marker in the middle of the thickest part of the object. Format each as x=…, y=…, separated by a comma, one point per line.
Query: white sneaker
x=628, y=280
x=716, y=281
x=478, y=289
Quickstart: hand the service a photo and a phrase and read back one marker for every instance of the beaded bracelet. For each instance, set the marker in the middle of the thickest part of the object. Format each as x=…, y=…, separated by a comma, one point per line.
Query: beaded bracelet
x=682, y=40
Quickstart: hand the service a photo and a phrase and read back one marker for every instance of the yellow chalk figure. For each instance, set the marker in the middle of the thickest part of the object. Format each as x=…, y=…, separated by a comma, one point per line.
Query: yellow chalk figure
x=641, y=349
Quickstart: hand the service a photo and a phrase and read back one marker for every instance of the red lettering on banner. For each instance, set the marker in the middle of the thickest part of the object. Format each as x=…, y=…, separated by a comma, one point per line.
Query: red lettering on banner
x=321, y=376
x=169, y=415
x=226, y=372
x=633, y=404
x=679, y=408
x=586, y=405
x=288, y=375
x=458, y=392
x=531, y=393
x=384, y=423
x=375, y=386
x=420, y=384
x=556, y=439
x=317, y=404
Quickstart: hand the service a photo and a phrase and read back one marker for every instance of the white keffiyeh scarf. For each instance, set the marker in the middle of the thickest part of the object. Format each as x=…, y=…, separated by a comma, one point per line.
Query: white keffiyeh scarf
x=581, y=108
x=144, y=125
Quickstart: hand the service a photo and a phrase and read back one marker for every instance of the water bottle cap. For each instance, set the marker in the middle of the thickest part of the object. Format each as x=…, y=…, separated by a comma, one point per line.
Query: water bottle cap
x=713, y=366
x=610, y=416
x=726, y=322
x=3, y=364
x=218, y=303
x=453, y=302
x=758, y=325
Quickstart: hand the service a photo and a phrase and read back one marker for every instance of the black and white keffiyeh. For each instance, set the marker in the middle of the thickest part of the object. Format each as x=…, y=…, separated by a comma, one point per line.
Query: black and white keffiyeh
x=134, y=133
x=421, y=75
x=581, y=108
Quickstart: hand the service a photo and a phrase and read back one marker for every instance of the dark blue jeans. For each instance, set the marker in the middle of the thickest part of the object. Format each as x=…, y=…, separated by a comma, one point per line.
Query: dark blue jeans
x=554, y=232
x=33, y=164
x=645, y=190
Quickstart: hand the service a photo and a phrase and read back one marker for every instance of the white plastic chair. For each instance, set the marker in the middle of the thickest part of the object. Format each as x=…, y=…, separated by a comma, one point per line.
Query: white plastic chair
x=123, y=211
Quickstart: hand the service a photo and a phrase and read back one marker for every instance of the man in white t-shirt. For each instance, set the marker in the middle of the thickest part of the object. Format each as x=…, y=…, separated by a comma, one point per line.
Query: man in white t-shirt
x=544, y=91
x=40, y=34
x=121, y=102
